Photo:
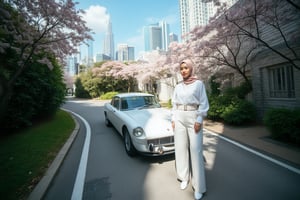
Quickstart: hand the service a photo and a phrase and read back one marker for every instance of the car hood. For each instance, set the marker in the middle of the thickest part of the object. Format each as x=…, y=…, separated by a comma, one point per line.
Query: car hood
x=156, y=122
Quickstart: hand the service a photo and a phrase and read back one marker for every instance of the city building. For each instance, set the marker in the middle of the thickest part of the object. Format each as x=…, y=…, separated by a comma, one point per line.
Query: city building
x=165, y=31
x=131, y=53
x=197, y=13
x=71, y=65
x=173, y=37
x=108, y=48
x=90, y=54
x=156, y=36
x=125, y=53
x=101, y=57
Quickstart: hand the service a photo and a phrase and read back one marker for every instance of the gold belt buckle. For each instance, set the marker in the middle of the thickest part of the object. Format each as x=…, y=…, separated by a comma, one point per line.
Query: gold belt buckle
x=185, y=107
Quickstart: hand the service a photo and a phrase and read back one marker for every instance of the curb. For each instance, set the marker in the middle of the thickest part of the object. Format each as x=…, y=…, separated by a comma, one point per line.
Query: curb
x=40, y=189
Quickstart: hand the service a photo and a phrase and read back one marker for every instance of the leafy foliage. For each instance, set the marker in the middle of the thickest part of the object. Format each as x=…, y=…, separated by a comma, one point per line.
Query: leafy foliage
x=80, y=92
x=214, y=87
x=284, y=124
x=231, y=106
x=239, y=112
x=37, y=94
x=217, y=105
x=240, y=91
x=28, y=29
x=103, y=78
x=108, y=95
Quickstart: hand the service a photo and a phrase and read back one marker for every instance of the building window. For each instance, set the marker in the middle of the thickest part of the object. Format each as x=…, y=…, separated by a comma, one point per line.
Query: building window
x=281, y=82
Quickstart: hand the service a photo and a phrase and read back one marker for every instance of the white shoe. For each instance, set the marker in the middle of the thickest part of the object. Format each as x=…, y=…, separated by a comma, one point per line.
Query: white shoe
x=197, y=195
x=183, y=185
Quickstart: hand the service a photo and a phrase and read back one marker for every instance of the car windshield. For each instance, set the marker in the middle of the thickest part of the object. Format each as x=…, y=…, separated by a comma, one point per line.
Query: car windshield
x=139, y=102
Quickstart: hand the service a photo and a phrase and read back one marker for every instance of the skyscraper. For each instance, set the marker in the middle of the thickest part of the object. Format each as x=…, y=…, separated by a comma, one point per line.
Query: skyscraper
x=197, y=13
x=173, y=37
x=108, y=48
x=71, y=67
x=90, y=53
x=156, y=36
x=165, y=30
x=152, y=37
x=125, y=52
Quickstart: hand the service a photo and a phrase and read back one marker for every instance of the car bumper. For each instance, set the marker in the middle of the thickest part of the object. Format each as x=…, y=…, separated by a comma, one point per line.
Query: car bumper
x=158, y=146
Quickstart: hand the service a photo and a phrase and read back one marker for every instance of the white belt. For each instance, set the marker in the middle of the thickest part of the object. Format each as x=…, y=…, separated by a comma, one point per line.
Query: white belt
x=188, y=107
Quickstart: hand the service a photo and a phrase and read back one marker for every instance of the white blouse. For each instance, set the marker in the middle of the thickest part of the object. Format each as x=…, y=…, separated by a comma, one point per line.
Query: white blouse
x=193, y=93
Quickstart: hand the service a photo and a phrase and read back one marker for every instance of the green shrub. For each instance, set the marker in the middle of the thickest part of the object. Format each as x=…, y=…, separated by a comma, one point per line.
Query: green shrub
x=214, y=87
x=108, y=95
x=37, y=94
x=284, y=124
x=92, y=85
x=240, y=91
x=295, y=133
x=231, y=106
x=80, y=92
x=239, y=112
x=217, y=105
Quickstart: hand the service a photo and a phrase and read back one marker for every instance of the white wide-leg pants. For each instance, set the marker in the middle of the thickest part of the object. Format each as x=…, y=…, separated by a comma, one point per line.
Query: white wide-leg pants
x=188, y=150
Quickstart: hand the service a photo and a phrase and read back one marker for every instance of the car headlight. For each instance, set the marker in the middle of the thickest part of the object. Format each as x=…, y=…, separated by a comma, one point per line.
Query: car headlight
x=138, y=132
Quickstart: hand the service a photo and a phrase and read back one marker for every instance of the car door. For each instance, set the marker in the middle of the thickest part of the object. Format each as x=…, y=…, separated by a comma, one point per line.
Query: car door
x=115, y=117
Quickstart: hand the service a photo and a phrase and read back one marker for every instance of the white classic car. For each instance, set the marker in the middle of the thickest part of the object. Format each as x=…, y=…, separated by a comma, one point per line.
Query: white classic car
x=144, y=125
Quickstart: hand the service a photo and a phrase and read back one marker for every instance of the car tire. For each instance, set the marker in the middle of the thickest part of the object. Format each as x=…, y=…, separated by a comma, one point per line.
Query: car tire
x=129, y=148
x=107, y=122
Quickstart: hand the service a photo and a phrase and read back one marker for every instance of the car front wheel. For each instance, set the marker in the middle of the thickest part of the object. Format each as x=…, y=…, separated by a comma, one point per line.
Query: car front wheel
x=130, y=149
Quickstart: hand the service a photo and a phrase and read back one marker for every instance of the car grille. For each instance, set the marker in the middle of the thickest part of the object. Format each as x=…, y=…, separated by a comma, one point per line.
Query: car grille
x=165, y=140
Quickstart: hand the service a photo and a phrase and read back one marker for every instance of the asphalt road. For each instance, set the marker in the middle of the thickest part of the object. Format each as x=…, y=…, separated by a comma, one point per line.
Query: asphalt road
x=231, y=172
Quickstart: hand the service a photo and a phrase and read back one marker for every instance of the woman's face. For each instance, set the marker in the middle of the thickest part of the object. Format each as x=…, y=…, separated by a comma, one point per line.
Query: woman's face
x=185, y=71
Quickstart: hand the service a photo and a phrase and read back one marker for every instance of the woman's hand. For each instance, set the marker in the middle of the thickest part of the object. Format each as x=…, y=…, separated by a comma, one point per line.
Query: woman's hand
x=197, y=127
x=173, y=125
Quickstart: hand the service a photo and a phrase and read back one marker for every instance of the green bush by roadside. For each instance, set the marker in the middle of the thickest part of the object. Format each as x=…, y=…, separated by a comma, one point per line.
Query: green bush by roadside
x=231, y=106
x=231, y=110
x=284, y=124
x=108, y=95
x=239, y=112
x=37, y=94
x=26, y=155
x=96, y=81
x=80, y=91
x=217, y=105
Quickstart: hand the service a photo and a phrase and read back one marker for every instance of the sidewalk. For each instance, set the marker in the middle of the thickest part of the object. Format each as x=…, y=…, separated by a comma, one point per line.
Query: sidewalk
x=257, y=137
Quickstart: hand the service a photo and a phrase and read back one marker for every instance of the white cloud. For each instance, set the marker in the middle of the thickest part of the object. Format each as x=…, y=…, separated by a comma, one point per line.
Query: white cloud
x=96, y=18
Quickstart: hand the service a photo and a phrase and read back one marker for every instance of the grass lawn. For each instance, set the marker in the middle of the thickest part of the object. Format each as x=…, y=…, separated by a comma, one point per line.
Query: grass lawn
x=25, y=156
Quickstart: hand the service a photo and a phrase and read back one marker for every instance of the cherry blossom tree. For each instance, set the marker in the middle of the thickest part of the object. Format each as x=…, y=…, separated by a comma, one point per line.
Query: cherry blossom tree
x=116, y=70
x=219, y=48
x=236, y=35
x=267, y=21
x=153, y=67
x=29, y=28
x=175, y=54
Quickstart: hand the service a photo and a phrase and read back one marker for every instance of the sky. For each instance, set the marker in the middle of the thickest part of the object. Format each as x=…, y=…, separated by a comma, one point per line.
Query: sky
x=128, y=17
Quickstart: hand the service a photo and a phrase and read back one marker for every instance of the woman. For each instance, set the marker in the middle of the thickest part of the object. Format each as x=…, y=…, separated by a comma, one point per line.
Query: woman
x=190, y=105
